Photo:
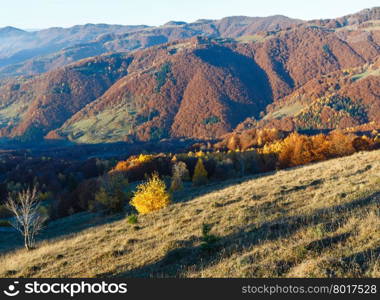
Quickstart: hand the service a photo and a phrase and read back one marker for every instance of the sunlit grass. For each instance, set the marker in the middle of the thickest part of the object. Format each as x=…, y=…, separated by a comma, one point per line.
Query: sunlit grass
x=321, y=220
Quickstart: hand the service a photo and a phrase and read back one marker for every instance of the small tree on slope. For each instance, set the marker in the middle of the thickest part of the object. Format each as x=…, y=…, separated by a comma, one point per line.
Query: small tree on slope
x=151, y=196
x=28, y=220
x=200, y=173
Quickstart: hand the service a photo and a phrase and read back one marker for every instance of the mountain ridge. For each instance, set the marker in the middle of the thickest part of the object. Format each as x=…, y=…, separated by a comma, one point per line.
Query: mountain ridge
x=202, y=87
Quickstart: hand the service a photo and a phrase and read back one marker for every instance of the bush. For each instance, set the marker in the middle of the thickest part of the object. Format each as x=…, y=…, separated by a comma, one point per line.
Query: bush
x=138, y=167
x=176, y=184
x=200, y=173
x=46, y=196
x=111, y=196
x=180, y=173
x=297, y=151
x=341, y=144
x=132, y=219
x=123, y=166
x=251, y=139
x=208, y=240
x=151, y=196
x=224, y=170
x=45, y=212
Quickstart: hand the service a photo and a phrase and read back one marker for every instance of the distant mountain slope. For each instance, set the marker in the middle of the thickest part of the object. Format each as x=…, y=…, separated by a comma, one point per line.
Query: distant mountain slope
x=9, y=31
x=23, y=52
x=320, y=220
x=26, y=53
x=208, y=86
x=341, y=99
x=197, y=88
x=356, y=19
x=17, y=46
x=305, y=76
x=29, y=107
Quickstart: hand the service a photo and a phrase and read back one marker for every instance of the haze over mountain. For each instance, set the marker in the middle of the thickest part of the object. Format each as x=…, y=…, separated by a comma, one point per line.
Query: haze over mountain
x=23, y=52
x=99, y=83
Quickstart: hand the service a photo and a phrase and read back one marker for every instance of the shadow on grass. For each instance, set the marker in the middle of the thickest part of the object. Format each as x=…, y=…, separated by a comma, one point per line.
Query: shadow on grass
x=319, y=245
x=9, y=241
x=191, y=193
x=363, y=258
x=193, y=257
x=355, y=265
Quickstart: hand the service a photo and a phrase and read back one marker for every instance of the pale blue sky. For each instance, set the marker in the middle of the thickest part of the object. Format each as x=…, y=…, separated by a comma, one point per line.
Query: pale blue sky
x=65, y=13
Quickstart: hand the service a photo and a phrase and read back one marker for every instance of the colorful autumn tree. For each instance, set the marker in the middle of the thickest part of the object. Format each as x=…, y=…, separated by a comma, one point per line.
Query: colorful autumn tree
x=200, y=173
x=151, y=196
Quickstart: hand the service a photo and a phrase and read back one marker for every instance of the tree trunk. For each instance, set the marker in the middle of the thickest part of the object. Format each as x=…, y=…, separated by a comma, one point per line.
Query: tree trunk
x=26, y=242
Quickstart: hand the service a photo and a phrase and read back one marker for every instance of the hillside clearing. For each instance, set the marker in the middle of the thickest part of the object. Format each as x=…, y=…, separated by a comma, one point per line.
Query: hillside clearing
x=321, y=220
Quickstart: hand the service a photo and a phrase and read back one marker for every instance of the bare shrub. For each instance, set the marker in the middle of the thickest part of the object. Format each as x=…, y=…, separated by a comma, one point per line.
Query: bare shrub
x=180, y=173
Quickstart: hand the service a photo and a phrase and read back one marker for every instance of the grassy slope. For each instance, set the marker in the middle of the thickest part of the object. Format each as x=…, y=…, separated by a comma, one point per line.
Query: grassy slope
x=315, y=221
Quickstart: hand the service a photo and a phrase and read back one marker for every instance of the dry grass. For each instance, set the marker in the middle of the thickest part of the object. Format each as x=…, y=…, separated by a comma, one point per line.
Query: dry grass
x=321, y=220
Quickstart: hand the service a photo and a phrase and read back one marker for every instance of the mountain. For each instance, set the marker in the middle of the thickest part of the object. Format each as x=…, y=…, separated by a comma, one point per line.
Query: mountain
x=147, y=95
x=29, y=107
x=9, y=31
x=34, y=52
x=342, y=99
x=209, y=86
x=353, y=20
x=17, y=46
x=202, y=80
x=26, y=53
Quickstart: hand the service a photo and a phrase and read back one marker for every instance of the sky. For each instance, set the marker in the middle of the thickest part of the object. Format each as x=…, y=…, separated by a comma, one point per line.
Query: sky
x=39, y=14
